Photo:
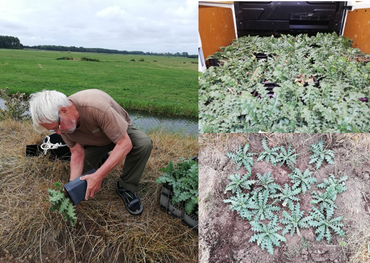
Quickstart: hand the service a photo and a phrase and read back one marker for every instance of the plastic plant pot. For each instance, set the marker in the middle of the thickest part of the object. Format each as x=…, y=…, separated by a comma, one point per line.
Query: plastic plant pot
x=363, y=99
x=315, y=81
x=213, y=62
x=269, y=87
x=76, y=189
x=260, y=56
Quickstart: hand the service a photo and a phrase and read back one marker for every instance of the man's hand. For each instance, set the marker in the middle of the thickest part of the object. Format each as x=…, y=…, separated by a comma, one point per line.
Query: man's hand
x=93, y=184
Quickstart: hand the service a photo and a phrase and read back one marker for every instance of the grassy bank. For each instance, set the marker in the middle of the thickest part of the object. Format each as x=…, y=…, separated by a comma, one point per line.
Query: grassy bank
x=157, y=84
x=105, y=231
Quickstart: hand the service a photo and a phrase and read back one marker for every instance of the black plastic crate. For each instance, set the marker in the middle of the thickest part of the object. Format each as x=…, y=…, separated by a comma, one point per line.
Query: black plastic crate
x=166, y=203
x=176, y=210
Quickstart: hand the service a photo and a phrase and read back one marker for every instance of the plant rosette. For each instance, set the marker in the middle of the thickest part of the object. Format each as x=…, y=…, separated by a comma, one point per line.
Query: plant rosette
x=59, y=201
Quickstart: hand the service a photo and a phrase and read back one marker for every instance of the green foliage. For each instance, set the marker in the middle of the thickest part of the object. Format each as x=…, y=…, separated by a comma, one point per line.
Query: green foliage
x=326, y=200
x=58, y=201
x=15, y=105
x=287, y=195
x=258, y=204
x=267, y=235
x=302, y=180
x=89, y=59
x=237, y=183
x=322, y=220
x=267, y=183
x=184, y=182
x=262, y=209
x=241, y=157
x=242, y=203
x=269, y=154
x=319, y=154
x=289, y=157
x=295, y=220
x=226, y=103
x=339, y=184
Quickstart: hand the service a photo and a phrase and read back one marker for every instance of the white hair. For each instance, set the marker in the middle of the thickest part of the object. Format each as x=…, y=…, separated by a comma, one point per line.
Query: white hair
x=45, y=105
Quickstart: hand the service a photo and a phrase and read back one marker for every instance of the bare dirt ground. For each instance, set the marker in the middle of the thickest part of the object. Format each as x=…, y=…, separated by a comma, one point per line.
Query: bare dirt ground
x=224, y=235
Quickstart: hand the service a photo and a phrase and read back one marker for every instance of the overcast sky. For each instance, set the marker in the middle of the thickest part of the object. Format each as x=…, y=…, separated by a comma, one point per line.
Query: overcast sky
x=141, y=25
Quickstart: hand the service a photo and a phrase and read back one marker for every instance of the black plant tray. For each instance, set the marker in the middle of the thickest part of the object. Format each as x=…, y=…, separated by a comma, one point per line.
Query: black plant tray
x=76, y=189
x=213, y=62
x=176, y=210
x=191, y=220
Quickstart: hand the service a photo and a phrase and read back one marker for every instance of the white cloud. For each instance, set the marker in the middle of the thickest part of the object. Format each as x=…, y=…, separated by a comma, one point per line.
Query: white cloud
x=146, y=25
x=112, y=11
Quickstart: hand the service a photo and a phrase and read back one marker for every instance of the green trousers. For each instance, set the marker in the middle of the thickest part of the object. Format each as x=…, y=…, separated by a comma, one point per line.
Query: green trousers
x=135, y=161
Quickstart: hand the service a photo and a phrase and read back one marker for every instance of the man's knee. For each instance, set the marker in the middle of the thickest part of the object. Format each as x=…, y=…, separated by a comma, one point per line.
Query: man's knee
x=147, y=144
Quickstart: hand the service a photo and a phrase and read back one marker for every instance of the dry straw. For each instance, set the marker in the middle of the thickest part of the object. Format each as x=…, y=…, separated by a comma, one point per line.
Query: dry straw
x=105, y=231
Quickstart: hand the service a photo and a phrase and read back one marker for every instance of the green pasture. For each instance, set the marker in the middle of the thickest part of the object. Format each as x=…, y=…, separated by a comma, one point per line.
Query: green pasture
x=156, y=84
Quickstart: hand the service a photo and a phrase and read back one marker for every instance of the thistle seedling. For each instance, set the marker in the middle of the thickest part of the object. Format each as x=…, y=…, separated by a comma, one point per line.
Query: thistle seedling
x=295, y=220
x=242, y=203
x=326, y=200
x=270, y=155
x=64, y=205
x=339, y=184
x=322, y=219
x=241, y=157
x=287, y=156
x=302, y=180
x=263, y=210
x=287, y=195
x=267, y=182
x=320, y=154
x=238, y=182
x=267, y=235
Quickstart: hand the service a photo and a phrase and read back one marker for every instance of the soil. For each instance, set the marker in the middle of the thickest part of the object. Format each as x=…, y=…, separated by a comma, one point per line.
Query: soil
x=224, y=235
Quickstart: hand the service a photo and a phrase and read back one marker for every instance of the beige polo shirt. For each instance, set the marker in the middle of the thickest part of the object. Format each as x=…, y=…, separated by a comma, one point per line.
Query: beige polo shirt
x=102, y=119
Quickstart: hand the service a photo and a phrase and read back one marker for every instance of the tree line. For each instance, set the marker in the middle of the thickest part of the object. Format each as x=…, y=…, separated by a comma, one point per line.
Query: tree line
x=13, y=42
x=104, y=50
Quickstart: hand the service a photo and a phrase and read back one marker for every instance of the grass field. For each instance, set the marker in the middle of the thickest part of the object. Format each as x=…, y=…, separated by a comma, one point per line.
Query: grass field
x=159, y=84
x=105, y=231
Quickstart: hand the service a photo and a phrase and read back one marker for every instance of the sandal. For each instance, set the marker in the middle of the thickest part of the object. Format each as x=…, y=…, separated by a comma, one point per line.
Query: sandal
x=131, y=201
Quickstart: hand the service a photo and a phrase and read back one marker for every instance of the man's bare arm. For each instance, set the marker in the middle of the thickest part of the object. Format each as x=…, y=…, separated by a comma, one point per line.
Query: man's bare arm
x=77, y=161
x=119, y=152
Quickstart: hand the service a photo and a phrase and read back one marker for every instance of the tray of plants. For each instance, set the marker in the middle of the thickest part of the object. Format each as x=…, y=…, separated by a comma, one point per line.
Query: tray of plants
x=179, y=193
x=322, y=86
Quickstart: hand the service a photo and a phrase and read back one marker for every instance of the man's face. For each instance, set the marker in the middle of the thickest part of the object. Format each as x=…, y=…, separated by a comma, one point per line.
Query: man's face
x=65, y=124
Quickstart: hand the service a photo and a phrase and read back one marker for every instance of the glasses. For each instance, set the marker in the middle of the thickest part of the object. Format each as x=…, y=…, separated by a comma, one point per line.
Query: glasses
x=57, y=130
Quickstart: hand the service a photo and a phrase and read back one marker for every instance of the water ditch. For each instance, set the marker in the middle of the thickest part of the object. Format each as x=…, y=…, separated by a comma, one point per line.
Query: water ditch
x=146, y=121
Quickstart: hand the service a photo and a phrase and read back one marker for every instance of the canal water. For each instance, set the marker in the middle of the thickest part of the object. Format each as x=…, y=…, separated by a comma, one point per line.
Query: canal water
x=146, y=122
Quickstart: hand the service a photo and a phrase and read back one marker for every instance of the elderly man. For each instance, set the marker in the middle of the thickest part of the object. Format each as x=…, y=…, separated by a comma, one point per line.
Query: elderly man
x=92, y=124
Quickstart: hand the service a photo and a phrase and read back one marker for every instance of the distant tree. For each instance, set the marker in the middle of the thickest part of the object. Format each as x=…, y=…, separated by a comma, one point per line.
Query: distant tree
x=10, y=42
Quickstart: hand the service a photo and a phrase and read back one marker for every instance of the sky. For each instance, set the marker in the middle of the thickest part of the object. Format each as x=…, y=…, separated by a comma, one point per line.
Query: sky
x=132, y=25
